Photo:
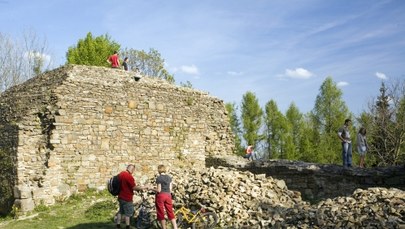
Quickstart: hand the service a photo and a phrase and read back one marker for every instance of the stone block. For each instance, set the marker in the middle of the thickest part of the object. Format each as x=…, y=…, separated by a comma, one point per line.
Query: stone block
x=22, y=192
x=25, y=205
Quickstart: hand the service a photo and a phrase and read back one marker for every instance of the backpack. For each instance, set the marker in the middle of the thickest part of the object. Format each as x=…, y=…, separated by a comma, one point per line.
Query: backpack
x=113, y=185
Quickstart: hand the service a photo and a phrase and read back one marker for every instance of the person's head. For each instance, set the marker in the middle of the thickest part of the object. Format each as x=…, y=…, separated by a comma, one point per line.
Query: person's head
x=161, y=169
x=131, y=168
x=126, y=59
x=348, y=122
x=363, y=131
x=115, y=52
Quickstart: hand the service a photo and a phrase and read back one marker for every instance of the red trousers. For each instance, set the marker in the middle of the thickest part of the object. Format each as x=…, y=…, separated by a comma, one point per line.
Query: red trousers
x=164, y=202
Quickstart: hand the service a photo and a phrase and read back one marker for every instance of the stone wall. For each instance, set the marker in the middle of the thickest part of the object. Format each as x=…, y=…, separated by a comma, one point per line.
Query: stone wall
x=74, y=127
x=318, y=181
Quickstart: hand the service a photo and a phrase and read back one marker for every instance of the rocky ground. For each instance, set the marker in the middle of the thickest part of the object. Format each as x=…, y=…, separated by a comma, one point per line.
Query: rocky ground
x=246, y=200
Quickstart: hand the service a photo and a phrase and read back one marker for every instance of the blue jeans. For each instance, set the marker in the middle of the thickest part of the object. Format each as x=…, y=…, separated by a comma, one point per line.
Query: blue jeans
x=347, y=154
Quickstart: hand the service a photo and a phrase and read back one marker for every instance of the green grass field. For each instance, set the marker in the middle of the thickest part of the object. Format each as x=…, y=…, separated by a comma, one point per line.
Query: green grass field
x=89, y=210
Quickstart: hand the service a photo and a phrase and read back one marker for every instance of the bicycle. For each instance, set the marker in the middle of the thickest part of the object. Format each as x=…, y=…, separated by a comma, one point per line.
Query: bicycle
x=200, y=218
x=146, y=216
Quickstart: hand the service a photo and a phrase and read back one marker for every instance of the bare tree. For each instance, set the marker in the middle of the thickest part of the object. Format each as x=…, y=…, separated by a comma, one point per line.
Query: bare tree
x=21, y=60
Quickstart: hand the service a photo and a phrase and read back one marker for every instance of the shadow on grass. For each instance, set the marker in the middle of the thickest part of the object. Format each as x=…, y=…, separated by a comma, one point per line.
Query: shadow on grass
x=93, y=225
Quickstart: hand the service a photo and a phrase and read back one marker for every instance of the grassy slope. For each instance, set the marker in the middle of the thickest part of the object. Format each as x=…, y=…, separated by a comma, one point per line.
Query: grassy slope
x=90, y=210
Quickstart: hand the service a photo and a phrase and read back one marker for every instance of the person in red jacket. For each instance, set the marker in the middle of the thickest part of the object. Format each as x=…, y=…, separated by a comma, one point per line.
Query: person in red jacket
x=114, y=60
x=127, y=187
x=249, y=153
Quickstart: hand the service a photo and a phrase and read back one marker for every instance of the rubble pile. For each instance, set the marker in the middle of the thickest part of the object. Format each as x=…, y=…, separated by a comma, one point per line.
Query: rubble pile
x=246, y=200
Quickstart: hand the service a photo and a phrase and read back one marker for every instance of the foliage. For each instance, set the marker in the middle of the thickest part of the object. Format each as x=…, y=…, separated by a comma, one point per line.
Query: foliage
x=92, y=51
x=328, y=116
x=277, y=132
x=186, y=84
x=148, y=63
x=387, y=126
x=296, y=123
x=251, y=118
x=23, y=59
x=235, y=126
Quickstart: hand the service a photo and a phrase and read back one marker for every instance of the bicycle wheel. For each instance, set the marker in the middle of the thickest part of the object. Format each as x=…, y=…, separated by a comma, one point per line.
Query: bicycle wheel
x=145, y=219
x=179, y=222
x=206, y=220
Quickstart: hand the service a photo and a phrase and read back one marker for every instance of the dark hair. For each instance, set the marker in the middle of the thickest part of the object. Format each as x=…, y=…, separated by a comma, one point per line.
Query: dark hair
x=363, y=131
x=347, y=120
x=126, y=58
x=115, y=52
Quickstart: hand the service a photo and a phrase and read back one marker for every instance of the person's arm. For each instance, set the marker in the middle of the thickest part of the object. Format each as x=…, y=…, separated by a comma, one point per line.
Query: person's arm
x=340, y=132
x=140, y=188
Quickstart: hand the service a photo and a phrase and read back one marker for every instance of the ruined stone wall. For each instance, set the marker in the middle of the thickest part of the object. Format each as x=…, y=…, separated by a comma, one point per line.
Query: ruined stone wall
x=318, y=181
x=79, y=125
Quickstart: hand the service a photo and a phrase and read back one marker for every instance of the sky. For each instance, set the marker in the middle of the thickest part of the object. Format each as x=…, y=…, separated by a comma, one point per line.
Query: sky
x=280, y=50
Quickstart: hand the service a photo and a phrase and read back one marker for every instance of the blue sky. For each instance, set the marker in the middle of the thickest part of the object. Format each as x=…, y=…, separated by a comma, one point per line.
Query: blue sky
x=278, y=49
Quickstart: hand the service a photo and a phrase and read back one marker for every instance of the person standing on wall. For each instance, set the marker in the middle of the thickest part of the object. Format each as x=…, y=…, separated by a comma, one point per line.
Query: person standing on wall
x=344, y=136
x=114, y=60
x=125, y=64
x=249, y=153
x=125, y=197
x=362, y=146
x=163, y=200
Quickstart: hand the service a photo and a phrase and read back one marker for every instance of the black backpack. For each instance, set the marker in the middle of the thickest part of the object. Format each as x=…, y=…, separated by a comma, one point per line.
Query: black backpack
x=113, y=185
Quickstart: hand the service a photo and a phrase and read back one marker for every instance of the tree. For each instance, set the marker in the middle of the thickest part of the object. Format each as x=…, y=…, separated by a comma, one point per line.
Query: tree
x=20, y=60
x=277, y=134
x=92, y=51
x=328, y=115
x=235, y=126
x=295, y=121
x=308, y=140
x=251, y=118
x=387, y=135
x=148, y=63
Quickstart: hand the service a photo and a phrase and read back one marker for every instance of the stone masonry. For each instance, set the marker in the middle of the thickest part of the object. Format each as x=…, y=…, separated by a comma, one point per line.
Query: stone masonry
x=71, y=128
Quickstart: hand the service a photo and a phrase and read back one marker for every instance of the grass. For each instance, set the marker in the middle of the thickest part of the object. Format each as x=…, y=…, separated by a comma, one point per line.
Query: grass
x=89, y=210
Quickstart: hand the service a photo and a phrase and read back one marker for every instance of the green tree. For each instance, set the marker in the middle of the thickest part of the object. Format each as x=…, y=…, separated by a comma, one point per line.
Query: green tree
x=235, y=126
x=308, y=141
x=251, y=118
x=277, y=135
x=92, y=51
x=328, y=115
x=387, y=135
x=148, y=63
x=295, y=120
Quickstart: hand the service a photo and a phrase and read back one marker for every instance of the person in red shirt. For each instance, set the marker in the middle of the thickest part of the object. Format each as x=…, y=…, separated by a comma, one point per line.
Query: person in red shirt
x=249, y=152
x=114, y=60
x=127, y=187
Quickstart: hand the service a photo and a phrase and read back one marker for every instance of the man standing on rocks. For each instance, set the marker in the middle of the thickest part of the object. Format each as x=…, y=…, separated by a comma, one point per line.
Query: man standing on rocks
x=344, y=136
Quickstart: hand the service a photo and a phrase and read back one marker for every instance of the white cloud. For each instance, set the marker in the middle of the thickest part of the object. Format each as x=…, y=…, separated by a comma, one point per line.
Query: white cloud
x=298, y=73
x=342, y=84
x=37, y=55
x=232, y=73
x=381, y=75
x=191, y=69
